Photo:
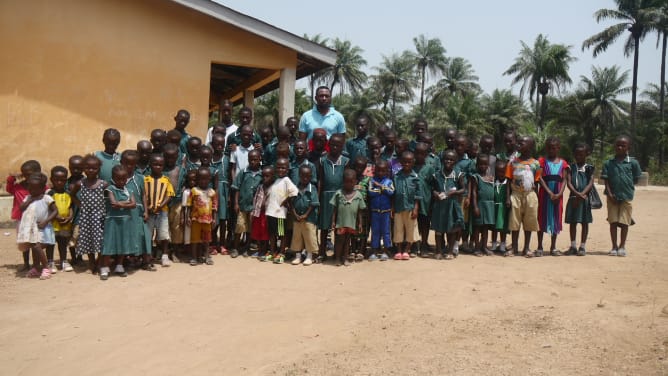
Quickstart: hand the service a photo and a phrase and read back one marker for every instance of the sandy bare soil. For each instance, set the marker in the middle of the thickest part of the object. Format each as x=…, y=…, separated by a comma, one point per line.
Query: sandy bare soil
x=593, y=315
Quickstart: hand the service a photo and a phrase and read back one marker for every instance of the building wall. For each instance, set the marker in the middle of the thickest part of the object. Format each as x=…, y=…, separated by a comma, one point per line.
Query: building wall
x=70, y=69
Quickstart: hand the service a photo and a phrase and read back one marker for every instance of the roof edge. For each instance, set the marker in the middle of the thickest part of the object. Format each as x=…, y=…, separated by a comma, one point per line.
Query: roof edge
x=261, y=28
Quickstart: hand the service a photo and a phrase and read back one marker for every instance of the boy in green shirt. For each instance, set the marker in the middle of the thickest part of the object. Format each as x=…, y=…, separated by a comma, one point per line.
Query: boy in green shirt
x=620, y=174
x=245, y=184
x=407, y=195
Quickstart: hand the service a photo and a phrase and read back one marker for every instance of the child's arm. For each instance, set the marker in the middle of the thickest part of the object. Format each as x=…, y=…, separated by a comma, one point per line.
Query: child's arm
x=233, y=170
x=112, y=200
x=473, y=187
x=461, y=183
x=334, y=218
x=293, y=211
x=321, y=174
x=53, y=212
x=76, y=187
x=26, y=202
x=589, y=186
x=563, y=186
x=569, y=175
x=359, y=221
x=10, y=187
x=131, y=203
x=68, y=219
x=388, y=189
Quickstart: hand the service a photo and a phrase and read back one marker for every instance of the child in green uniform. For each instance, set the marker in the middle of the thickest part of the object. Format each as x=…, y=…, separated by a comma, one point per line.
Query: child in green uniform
x=305, y=213
x=620, y=174
x=580, y=180
x=221, y=163
x=447, y=218
x=330, y=178
x=407, y=195
x=500, y=208
x=482, y=202
x=109, y=157
x=358, y=249
x=120, y=235
x=425, y=173
x=347, y=203
x=244, y=186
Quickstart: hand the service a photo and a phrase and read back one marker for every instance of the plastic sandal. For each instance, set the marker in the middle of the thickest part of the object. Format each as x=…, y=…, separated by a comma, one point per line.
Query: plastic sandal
x=581, y=251
x=359, y=257
x=449, y=256
x=405, y=256
x=555, y=252
x=32, y=273
x=193, y=262
x=397, y=256
x=209, y=261
x=46, y=274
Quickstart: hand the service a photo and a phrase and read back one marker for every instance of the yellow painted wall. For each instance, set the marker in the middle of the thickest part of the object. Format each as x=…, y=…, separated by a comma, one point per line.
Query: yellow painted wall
x=71, y=68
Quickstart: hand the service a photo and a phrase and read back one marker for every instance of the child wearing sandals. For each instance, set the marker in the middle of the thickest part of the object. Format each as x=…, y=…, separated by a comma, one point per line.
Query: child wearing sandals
x=407, y=195
x=381, y=190
x=447, y=217
x=347, y=205
x=580, y=180
x=482, y=202
x=200, y=215
x=500, y=208
x=17, y=186
x=35, y=229
x=550, y=195
x=62, y=224
x=278, y=202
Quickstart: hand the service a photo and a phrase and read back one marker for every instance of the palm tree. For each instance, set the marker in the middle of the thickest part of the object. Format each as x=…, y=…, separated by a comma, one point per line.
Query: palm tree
x=503, y=111
x=316, y=76
x=600, y=94
x=395, y=81
x=661, y=25
x=637, y=17
x=459, y=79
x=347, y=71
x=541, y=68
x=429, y=56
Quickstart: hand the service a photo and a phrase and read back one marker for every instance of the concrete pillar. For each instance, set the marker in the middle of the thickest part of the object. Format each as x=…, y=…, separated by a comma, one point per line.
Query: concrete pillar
x=249, y=98
x=286, y=94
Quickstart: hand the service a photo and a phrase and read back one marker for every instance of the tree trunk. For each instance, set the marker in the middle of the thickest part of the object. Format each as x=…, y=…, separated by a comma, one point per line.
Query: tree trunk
x=422, y=91
x=662, y=95
x=634, y=88
x=589, y=134
x=331, y=88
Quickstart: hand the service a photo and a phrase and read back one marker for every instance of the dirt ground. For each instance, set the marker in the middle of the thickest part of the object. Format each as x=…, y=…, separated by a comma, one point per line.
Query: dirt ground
x=593, y=315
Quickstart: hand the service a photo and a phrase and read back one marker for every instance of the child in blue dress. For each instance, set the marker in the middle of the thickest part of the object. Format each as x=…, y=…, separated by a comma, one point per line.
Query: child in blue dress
x=381, y=190
x=447, y=217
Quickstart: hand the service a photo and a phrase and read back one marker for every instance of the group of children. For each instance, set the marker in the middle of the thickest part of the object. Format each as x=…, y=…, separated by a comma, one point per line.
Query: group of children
x=256, y=195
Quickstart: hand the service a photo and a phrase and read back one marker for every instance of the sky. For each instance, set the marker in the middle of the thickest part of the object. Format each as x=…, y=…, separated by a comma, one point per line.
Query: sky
x=485, y=32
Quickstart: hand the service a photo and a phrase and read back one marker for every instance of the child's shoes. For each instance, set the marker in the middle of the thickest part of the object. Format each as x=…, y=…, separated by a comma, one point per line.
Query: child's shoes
x=32, y=273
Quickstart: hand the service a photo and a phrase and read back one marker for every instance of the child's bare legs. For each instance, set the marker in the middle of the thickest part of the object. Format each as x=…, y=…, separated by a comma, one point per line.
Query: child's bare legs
x=439, y=246
x=205, y=252
x=262, y=248
x=553, y=246
x=346, y=249
x=585, y=233
x=452, y=237
x=62, y=249
x=26, y=260
x=540, y=243
x=323, y=244
x=92, y=262
x=50, y=248
x=515, y=236
x=527, y=242
x=194, y=250
x=222, y=236
x=476, y=240
x=237, y=241
x=483, y=240
x=339, y=241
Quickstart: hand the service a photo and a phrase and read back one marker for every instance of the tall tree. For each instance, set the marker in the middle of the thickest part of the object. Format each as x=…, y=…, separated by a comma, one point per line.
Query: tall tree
x=542, y=68
x=395, y=81
x=429, y=56
x=599, y=94
x=316, y=76
x=635, y=16
x=503, y=111
x=459, y=79
x=347, y=71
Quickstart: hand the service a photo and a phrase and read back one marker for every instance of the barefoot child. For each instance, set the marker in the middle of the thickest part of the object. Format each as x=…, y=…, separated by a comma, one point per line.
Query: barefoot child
x=522, y=201
x=201, y=210
x=381, y=190
x=62, y=224
x=278, y=202
x=620, y=174
x=482, y=202
x=550, y=195
x=304, y=209
x=447, y=217
x=35, y=230
x=580, y=180
x=120, y=232
x=88, y=194
x=347, y=204
x=407, y=195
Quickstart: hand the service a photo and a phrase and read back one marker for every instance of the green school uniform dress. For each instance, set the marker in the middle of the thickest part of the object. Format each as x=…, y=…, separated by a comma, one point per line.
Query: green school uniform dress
x=222, y=168
x=426, y=176
x=447, y=214
x=578, y=211
x=135, y=186
x=500, y=209
x=120, y=235
x=346, y=210
x=485, y=201
x=246, y=182
x=332, y=179
x=108, y=162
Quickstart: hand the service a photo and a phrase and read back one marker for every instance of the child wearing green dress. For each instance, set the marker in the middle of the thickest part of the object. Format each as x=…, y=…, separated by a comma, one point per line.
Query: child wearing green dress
x=120, y=235
x=330, y=178
x=348, y=205
x=482, y=202
x=447, y=217
x=500, y=208
x=580, y=180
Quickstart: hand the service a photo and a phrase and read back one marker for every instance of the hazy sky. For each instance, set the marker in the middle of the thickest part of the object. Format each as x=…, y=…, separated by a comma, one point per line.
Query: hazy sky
x=485, y=32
